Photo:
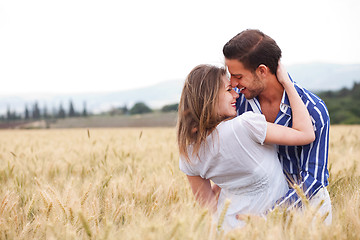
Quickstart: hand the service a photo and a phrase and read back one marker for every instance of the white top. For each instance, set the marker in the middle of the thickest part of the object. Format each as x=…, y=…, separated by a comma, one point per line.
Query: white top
x=237, y=160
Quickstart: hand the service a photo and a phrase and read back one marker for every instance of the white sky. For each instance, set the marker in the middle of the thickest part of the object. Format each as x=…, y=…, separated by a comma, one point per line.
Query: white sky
x=71, y=46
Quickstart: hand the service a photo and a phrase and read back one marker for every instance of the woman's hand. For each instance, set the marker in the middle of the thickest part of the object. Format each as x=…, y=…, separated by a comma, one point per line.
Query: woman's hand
x=216, y=190
x=282, y=75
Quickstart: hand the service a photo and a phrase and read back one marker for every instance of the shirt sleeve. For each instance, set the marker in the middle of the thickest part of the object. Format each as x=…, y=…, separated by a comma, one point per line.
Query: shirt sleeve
x=186, y=167
x=313, y=172
x=255, y=126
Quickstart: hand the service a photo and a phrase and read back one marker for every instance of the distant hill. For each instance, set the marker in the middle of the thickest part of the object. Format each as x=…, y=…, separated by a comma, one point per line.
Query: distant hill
x=315, y=76
x=323, y=77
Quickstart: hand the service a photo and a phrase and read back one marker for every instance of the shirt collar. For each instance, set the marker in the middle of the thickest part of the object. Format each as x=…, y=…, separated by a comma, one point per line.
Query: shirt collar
x=285, y=103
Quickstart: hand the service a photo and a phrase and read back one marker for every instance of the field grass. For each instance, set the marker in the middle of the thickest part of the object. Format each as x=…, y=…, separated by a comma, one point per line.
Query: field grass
x=125, y=183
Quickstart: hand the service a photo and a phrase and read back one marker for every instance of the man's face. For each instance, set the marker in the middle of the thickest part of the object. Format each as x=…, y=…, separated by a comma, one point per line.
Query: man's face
x=246, y=81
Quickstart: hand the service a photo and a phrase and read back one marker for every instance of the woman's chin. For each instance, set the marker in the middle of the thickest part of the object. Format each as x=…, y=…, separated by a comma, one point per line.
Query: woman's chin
x=233, y=114
x=230, y=116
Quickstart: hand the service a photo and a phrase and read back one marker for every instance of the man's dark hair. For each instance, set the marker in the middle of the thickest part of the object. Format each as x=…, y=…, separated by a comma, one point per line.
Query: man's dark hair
x=252, y=48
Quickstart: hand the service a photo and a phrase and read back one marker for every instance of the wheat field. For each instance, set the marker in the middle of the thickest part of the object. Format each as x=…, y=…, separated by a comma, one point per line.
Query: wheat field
x=125, y=184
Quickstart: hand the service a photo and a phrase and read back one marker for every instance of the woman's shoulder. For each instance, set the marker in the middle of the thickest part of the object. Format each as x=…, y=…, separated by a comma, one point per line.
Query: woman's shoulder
x=245, y=118
x=249, y=124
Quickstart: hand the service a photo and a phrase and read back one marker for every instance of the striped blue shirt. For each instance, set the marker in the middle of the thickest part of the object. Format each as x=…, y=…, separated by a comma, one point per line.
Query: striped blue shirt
x=304, y=165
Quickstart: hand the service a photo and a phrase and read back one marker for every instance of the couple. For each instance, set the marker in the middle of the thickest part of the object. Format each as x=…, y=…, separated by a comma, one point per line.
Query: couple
x=279, y=138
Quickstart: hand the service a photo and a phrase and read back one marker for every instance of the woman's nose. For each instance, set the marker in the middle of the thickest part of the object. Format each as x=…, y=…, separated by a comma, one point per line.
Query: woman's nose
x=233, y=82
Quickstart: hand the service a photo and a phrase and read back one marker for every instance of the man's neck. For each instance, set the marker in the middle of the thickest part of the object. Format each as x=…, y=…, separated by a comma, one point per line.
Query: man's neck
x=270, y=98
x=273, y=91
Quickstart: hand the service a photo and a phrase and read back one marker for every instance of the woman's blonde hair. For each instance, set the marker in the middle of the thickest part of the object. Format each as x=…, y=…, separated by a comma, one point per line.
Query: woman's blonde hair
x=197, y=116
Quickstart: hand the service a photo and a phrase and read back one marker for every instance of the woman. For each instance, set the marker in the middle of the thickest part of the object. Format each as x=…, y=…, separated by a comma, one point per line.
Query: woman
x=211, y=139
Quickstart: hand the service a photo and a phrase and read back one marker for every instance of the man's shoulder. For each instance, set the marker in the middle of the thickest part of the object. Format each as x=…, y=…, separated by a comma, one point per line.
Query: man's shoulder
x=315, y=105
x=308, y=95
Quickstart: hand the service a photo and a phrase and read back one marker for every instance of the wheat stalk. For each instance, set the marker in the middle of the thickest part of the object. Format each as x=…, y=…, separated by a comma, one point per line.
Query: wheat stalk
x=223, y=213
x=85, y=225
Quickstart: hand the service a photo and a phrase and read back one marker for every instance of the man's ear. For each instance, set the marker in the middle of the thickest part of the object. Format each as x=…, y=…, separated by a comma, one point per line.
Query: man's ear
x=262, y=70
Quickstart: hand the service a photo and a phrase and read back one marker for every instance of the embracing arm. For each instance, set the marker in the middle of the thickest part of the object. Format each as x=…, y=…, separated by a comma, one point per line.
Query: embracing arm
x=302, y=131
x=205, y=194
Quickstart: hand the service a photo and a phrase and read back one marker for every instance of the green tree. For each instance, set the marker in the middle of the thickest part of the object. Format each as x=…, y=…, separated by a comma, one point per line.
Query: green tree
x=72, y=112
x=27, y=114
x=343, y=105
x=36, y=111
x=124, y=109
x=170, y=108
x=85, y=112
x=356, y=91
x=61, y=113
x=45, y=112
x=8, y=114
x=140, y=108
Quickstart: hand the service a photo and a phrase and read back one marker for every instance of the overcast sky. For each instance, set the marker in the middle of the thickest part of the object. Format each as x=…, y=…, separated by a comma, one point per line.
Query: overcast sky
x=73, y=46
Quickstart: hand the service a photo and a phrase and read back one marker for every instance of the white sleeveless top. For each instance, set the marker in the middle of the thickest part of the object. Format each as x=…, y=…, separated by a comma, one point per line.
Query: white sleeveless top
x=237, y=160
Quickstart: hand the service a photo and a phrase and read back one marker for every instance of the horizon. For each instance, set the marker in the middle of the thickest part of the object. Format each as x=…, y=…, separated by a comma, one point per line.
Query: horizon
x=311, y=76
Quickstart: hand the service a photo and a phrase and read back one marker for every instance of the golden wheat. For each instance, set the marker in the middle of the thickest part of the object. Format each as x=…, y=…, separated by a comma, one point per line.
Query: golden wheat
x=125, y=184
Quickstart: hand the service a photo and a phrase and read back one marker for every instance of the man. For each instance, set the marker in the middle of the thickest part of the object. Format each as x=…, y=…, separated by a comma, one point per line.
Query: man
x=252, y=60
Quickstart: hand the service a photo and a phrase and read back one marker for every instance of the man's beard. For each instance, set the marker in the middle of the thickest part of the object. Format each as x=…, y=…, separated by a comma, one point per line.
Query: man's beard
x=256, y=89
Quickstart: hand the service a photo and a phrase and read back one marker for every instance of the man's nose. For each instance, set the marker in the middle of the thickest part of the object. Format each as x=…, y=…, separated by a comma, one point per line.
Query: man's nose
x=233, y=82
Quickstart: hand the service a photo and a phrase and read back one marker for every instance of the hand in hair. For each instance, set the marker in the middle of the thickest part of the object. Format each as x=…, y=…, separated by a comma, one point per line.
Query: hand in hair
x=282, y=75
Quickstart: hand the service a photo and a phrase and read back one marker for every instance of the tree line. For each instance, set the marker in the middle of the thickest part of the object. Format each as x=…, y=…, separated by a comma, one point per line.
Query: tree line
x=343, y=105
x=141, y=108
x=34, y=112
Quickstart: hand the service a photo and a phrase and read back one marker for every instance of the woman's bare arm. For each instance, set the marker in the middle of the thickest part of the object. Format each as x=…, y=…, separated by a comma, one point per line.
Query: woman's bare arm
x=302, y=131
x=203, y=192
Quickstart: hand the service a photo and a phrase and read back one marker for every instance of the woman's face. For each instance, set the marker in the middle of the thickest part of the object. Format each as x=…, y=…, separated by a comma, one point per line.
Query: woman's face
x=226, y=106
